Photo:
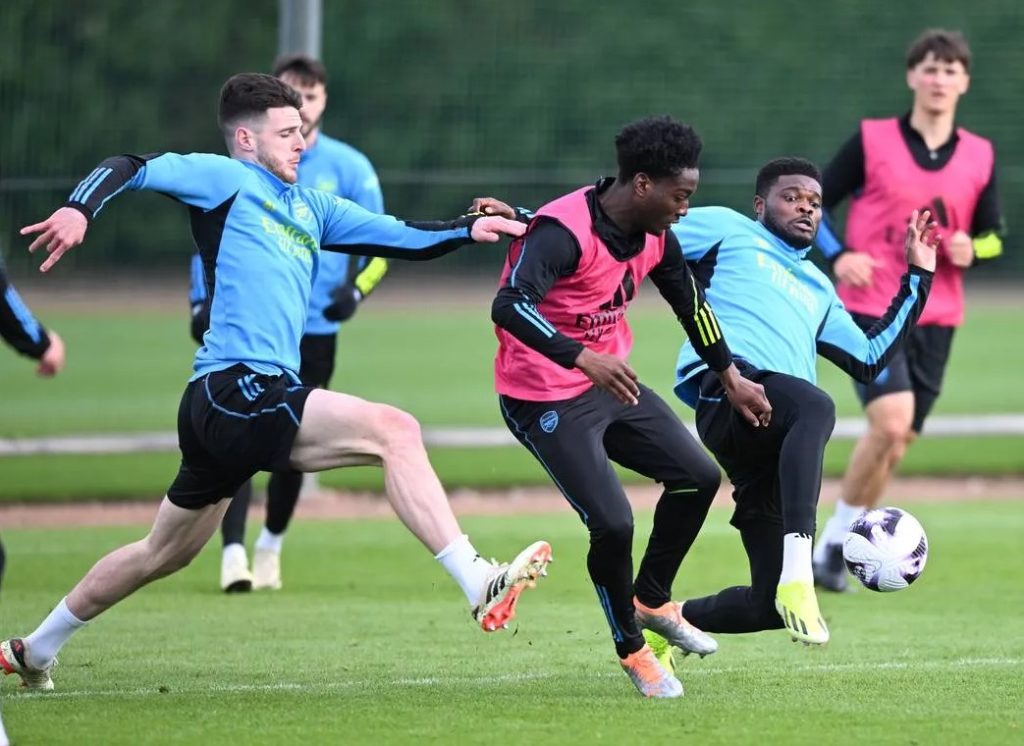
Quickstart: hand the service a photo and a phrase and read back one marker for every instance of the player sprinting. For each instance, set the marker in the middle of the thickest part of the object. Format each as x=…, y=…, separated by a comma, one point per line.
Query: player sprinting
x=244, y=409
x=888, y=168
x=22, y=331
x=568, y=394
x=341, y=283
x=779, y=312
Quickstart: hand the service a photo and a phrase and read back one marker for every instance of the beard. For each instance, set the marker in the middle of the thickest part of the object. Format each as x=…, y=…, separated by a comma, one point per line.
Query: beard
x=307, y=128
x=791, y=237
x=277, y=167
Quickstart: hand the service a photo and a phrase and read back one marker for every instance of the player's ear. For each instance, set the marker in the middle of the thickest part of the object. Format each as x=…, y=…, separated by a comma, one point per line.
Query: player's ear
x=758, y=206
x=245, y=139
x=641, y=184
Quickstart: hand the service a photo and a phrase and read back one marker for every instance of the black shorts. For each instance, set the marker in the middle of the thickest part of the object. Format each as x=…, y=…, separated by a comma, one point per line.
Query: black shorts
x=918, y=366
x=232, y=424
x=318, y=352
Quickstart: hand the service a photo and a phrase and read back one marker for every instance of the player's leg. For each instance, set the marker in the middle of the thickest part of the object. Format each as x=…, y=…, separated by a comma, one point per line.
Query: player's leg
x=283, y=488
x=185, y=521
x=650, y=440
x=175, y=539
x=889, y=405
x=566, y=437
x=792, y=448
x=928, y=356
x=234, y=564
x=339, y=430
x=746, y=608
x=3, y=562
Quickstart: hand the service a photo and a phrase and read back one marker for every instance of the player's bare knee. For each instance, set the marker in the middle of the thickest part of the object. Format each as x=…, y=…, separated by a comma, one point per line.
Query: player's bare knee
x=397, y=430
x=893, y=433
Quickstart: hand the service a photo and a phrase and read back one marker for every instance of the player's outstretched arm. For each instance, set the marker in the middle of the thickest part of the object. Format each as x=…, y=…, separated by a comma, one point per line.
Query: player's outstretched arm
x=199, y=179
x=865, y=354
x=350, y=229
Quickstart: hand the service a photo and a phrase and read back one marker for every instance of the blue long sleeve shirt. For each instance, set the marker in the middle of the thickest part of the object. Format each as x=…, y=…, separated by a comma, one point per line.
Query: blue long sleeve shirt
x=260, y=241
x=777, y=309
x=338, y=168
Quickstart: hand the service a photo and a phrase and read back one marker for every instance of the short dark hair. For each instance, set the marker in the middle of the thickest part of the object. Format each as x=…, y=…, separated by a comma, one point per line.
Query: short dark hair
x=946, y=45
x=308, y=70
x=773, y=169
x=248, y=94
x=656, y=146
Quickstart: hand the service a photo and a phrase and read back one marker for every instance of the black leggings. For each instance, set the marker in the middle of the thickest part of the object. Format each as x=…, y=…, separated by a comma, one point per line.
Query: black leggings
x=574, y=439
x=745, y=608
x=776, y=473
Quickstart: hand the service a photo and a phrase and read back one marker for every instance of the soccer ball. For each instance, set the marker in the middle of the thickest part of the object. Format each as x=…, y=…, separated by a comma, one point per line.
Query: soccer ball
x=886, y=549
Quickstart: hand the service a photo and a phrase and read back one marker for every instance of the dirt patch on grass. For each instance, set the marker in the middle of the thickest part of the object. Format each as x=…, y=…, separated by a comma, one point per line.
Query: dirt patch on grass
x=330, y=505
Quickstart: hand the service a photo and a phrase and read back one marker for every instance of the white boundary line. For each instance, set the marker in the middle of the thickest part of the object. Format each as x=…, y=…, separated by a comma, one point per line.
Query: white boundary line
x=431, y=681
x=948, y=426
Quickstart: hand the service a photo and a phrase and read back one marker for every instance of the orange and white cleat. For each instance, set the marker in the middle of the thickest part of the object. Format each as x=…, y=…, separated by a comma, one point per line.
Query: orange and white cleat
x=12, y=660
x=667, y=620
x=498, y=599
x=650, y=677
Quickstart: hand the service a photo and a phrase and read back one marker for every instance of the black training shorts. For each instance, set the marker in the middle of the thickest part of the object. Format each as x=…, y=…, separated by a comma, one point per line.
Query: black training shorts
x=232, y=424
x=918, y=366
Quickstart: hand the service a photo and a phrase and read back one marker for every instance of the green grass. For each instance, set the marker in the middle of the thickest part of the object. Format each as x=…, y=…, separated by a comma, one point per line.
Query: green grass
x=370, y=643
x=126, y=373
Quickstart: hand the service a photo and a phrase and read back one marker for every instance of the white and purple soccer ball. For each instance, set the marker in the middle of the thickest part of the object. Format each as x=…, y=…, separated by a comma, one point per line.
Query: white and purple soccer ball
x=886, y=549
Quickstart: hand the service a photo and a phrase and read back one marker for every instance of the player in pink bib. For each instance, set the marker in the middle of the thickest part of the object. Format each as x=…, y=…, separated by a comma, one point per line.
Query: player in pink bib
x=569, y=396
x=890, y=168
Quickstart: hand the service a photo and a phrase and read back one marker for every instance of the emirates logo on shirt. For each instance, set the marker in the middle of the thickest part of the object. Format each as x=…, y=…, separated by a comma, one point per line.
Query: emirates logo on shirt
x=597, y=324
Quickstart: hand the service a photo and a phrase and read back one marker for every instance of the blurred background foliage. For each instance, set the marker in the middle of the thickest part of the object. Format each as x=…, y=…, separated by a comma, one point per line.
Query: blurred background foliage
x=453, y=98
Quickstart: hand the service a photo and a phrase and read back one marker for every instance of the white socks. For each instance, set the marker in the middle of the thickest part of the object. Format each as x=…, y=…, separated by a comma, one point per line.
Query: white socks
x=269, y=542
x=466, y=566
x=235, y=551
x=836, y=527
x=51, y=635
x=796, y=558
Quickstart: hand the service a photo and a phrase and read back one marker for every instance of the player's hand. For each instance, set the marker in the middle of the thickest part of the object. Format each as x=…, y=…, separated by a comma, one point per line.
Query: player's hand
x=200, y=321
x=492, y=206
x=611, y=374
x=854, y=268
x=961, y=250
x=344, y=301
x=52, y=361
x=922, y=240
x=59, y=233
x=492, y=228
x=747, y=398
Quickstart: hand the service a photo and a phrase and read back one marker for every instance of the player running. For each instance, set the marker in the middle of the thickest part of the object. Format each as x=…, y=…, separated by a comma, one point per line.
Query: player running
x=341, y=283
x=244, y=409
x=888, y=168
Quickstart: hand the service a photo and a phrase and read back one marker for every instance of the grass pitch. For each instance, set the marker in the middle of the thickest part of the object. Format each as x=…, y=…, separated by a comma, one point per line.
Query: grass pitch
x=126, y=373
x=369, y=642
